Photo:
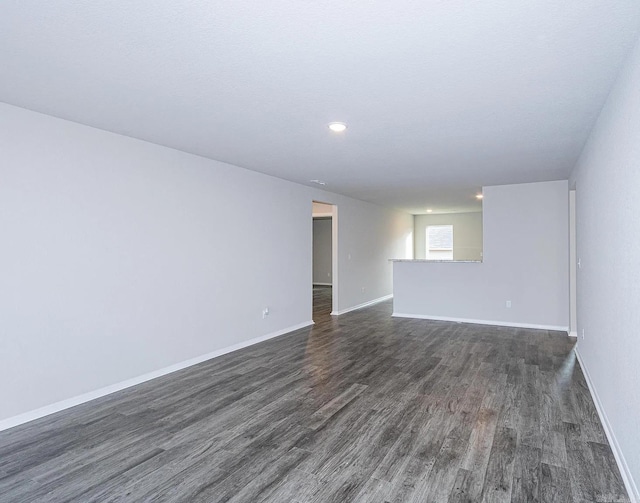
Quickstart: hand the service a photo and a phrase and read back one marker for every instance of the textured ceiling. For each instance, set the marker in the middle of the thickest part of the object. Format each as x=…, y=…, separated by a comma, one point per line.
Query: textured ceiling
x=441, y=97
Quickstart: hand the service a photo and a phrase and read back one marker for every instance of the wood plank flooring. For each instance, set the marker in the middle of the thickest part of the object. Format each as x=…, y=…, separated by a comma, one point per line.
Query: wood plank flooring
x=359, y=408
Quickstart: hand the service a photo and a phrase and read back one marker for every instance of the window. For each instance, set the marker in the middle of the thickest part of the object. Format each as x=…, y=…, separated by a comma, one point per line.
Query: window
x=440, y=242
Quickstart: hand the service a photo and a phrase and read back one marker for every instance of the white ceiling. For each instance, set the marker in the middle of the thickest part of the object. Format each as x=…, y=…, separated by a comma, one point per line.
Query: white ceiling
x=441, y=97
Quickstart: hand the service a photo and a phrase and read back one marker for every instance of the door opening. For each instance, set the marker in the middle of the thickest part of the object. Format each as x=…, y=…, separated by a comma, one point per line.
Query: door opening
x=324, y=263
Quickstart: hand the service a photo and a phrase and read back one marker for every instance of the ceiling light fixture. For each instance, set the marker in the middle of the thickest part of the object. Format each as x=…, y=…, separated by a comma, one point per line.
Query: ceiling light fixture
x=337, y=127
x=319, y=182
x=479, y=196
x=429, y=210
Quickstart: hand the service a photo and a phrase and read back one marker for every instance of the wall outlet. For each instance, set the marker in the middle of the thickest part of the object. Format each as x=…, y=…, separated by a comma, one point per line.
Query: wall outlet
x=265, y=312
x=509, y=303
x=363, y=289
x=328, y=275
x=583, y=333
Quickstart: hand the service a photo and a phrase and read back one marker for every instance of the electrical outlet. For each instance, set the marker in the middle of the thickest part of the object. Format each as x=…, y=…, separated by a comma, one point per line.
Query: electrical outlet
x=265, y=312
x=509, y=303
x=583, y=333
x=362, y=289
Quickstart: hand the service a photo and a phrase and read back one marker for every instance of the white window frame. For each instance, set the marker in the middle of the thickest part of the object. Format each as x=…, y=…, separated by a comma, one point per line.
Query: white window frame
x=439, y=251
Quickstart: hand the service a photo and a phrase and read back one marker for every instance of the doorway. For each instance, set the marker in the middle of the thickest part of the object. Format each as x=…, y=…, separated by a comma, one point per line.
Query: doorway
x=324, y=266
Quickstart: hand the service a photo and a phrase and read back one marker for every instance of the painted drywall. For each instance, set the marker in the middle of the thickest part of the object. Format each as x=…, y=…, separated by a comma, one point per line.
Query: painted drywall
x=322, y=251
x=526, y=261
x=368, y=236
x=467, y=233
x=321, y=209
x=607, y=179
x=573, y=267
x=120, y=257
x=436, y=94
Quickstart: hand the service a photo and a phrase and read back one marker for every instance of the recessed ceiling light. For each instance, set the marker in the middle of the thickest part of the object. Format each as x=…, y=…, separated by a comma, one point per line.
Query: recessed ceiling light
x=319, y=182
x=337, y=127
x=429, y=210
x=479, y=196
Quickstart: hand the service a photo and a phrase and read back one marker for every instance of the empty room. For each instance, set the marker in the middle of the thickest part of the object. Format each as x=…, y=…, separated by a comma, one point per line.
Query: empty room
x=335, y=251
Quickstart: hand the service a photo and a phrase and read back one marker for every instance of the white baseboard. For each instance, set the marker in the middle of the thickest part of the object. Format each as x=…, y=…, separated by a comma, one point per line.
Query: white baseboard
x=573, y=333
x=322, y=284
x=627, y=477
x=92, y=395
x=482, y=322
x=364, y=304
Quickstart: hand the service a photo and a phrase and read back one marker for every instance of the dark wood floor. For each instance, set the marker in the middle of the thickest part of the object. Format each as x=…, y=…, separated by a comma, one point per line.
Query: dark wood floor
x=362, y=407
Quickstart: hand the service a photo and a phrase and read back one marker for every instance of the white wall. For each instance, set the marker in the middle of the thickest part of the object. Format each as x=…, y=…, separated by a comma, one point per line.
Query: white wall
x=120, y=257
x=467, y=233
x=573, y=266
x=322, y=251
x=607, y=179
x=368, y=236
x=526, y=261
